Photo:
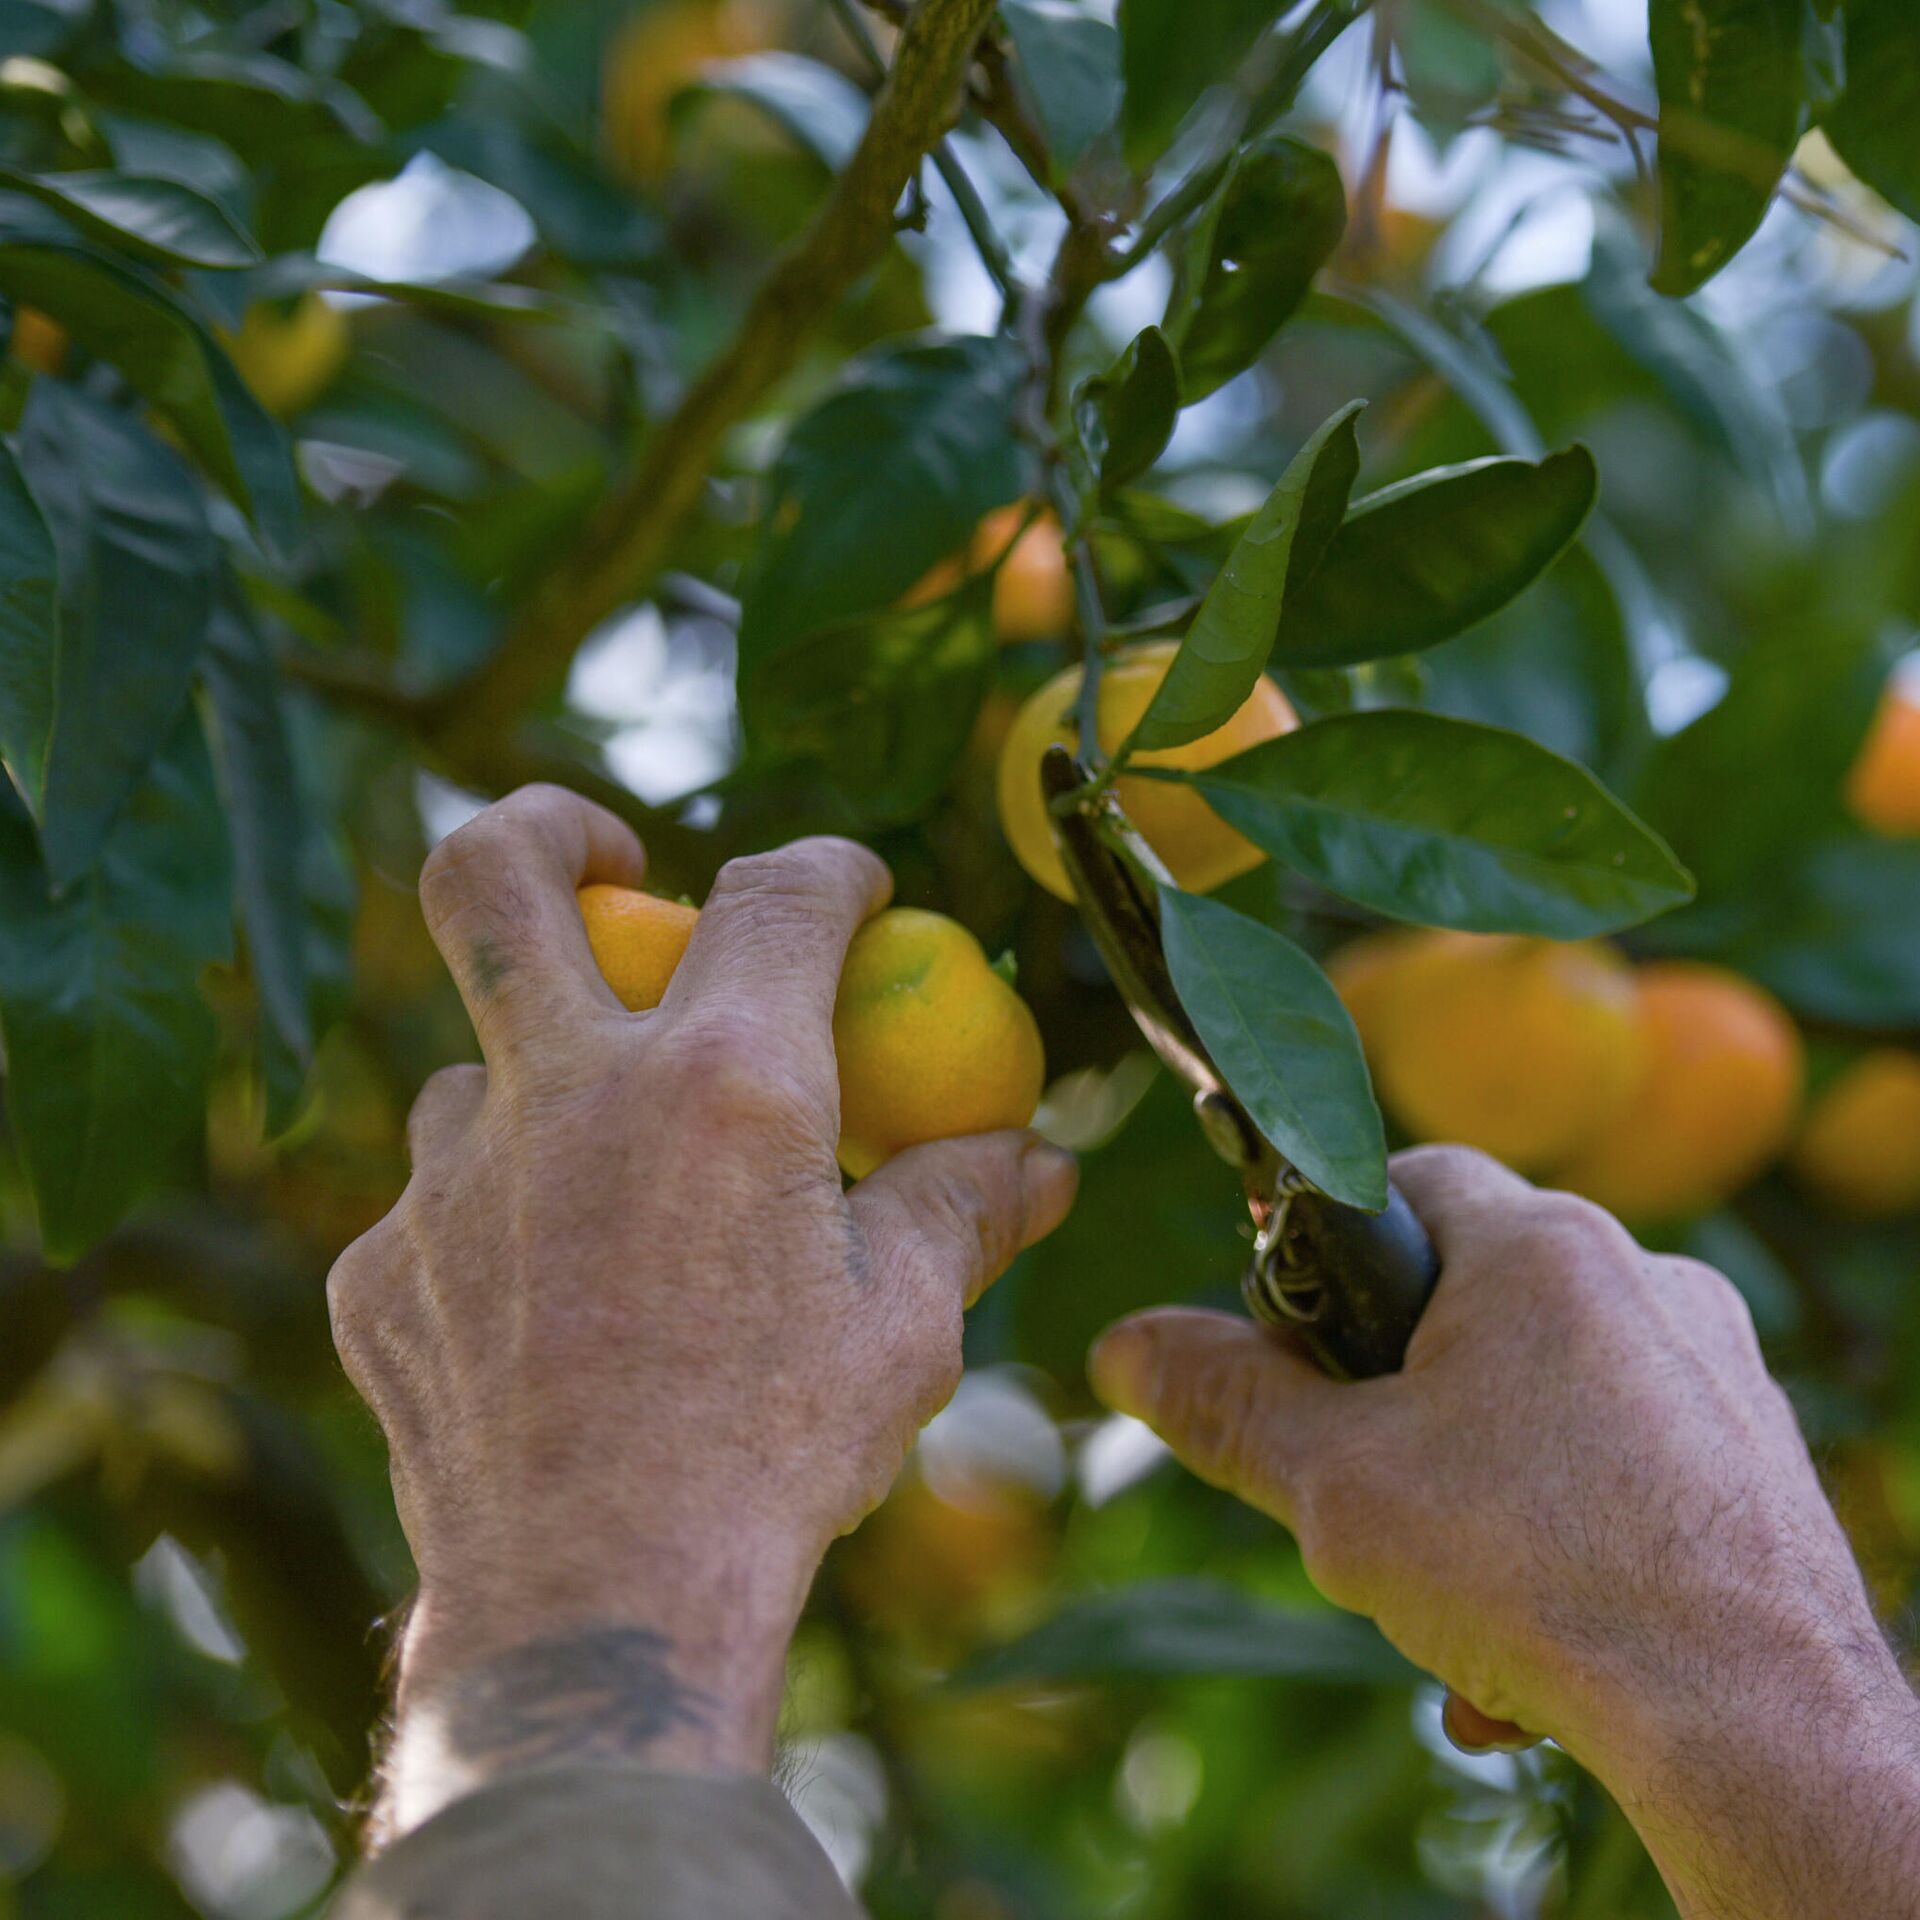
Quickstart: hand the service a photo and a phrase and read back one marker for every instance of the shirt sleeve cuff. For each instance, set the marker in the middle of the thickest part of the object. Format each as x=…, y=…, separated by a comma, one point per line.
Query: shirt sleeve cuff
x=604, y=1843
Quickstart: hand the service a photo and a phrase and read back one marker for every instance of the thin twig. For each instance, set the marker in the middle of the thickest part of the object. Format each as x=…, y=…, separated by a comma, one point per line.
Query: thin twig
x=632, y=534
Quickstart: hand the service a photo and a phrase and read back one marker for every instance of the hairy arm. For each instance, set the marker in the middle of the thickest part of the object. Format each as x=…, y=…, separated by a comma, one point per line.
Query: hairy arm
x=638, y=1356
x=1586, y=1507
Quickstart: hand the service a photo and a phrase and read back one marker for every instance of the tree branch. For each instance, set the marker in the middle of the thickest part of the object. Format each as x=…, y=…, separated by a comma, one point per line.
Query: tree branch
x=633, y=532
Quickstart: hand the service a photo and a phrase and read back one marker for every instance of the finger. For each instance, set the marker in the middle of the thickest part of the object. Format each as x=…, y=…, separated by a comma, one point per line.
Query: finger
x=1239, y=1404
x=956, y=1211
x=498, y=895
x=1475, y=1732
x=770, y=942
x=1456, y=1190
x=443, y=1110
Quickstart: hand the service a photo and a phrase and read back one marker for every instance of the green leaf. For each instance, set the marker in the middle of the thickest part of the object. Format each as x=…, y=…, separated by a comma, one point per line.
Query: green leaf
x=1127, y=414
x=1170, y=54
x=1872, y=125
x=1799, y=705
x=1277, y=1031
x=1278, y=217
x=814, y=102
x=1731, y=81
x=1416, y=563
x=1189, y=1628
x=171, y=359
x=256, y=102
x=1442, y=821
x=1069, y=68
x=1836, y=935
x=884, y=705
x=273, y=834
x=136, y=561
x=108, y=1041
x=29, y=636
x=885, y=477
x=1225, y=650
x=155, y=219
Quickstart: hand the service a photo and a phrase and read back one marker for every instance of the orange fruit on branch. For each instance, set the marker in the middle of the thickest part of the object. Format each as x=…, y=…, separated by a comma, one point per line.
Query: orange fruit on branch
x=1200, y=849
x=1859, y=1146
x=1714, y=1101
x=931, y=1041
x=1033, y=587
x=1524, y=1048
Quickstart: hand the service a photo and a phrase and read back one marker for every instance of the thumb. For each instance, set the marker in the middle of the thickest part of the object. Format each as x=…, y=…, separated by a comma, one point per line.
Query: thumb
x=1239, y=1404
x=963, y=1208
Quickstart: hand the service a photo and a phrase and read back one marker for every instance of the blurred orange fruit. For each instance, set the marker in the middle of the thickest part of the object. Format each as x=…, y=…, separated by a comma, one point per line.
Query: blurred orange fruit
x=1859, y=1146
x=1715, y=1099
x=1363, y=973
x=39, y=341
x=291, y=358
x=658, y=51
x=1033, y=589
x=1200, y=849
x=1524, y=1048
x=931, y=1041
x=1883, y=787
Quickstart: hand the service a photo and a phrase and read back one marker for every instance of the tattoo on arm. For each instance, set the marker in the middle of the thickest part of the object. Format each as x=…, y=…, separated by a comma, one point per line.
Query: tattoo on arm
x=603, y=1693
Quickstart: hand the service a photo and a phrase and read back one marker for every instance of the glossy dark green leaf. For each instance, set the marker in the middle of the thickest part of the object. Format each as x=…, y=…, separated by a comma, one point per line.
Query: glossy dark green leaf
x=1700, y=370
x=1278, y=217
x=254, y=101
x=136, y=561
x=883, y=479
x=1069, y=68
x=1556, y=665
x=1836, y=934
x=1277, y=1031
x=1189, y=1628
x=814, y=102
x=1170, y=54
x=884, y=705
x=1732, y=102
x=1873, y=123
x=1416, y=563
x=1225, y=650
x=170, y=358
x=1445, y=822
x=1127, y=414
x=1801, y=698
x=29, y=636
x=272, y=833
x=156, y=219
x=108, y=1041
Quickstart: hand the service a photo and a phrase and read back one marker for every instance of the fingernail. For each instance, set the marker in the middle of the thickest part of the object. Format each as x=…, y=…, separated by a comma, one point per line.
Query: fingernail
x=1117, y=1370
x=1049, y=1177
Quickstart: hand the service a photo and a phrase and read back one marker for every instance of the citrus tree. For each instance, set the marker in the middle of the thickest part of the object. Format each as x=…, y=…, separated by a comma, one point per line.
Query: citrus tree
x=1451, y=467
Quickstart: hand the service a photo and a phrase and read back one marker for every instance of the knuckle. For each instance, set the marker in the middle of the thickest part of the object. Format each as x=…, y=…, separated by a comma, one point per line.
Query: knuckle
x=723, y=1074
x=353, y=1284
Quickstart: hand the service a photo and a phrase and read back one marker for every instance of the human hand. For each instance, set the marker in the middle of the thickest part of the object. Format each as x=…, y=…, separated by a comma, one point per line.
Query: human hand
x=637, y=1355
x=1586, y=1507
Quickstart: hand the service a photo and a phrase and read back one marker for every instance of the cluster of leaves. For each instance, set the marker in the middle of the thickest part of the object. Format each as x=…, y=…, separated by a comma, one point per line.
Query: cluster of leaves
x=240, y=655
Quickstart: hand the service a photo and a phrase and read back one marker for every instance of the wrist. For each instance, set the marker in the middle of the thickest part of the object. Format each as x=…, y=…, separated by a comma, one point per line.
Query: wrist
x=678, y=1666
x=1746, y=1776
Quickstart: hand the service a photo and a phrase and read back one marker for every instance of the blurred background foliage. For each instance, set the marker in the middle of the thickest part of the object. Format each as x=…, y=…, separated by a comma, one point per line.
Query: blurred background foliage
x=391, y=419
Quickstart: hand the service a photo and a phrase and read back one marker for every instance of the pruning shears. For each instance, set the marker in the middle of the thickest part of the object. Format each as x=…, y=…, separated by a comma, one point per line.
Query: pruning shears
x=1351, y=1284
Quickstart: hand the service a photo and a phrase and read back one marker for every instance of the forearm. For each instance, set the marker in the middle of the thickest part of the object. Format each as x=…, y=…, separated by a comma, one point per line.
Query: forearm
x=1795, y=1795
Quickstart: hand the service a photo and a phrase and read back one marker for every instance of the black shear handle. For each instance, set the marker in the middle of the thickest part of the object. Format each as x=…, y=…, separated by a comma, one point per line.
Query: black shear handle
x=1372, y=1274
